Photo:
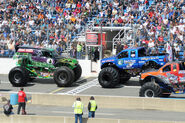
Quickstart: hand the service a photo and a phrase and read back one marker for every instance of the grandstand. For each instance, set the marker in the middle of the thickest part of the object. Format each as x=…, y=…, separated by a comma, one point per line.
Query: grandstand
x=48, y=23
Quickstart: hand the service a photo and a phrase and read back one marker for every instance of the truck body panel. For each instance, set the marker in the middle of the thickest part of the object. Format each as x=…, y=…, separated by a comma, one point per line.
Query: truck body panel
x=134, y=58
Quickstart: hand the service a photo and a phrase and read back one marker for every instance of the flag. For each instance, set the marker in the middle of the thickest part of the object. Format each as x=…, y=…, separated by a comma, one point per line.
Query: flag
x=169, y=51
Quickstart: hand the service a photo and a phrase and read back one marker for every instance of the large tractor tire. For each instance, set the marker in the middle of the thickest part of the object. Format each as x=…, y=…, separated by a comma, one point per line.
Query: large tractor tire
x=124, y=77
x=78, y=72
x=18, y=76
x=108, y=77
x=150, y=89
x=64, y=76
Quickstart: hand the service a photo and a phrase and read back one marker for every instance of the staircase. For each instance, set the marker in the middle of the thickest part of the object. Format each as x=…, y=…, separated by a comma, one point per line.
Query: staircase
x=120, y=37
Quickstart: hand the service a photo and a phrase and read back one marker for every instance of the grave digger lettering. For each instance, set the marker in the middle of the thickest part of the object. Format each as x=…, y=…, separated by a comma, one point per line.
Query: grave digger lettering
x=43, y=63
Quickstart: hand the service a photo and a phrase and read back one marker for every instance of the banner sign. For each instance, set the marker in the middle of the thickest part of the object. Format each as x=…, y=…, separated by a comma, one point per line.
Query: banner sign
x=92, y=38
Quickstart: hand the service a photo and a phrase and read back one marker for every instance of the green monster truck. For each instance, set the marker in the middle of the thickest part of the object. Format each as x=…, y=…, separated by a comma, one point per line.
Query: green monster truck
x=43, y=63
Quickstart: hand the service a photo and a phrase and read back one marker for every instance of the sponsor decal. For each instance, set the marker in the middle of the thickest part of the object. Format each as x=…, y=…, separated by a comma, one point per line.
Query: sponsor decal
x=181, y=71
x=49, y=61
x=107, y=61
x=160, y=59
x=25, y=50
x=129, y=63
x=120, y=62
x=182, y=78
x=149, y=58
x=141, y=61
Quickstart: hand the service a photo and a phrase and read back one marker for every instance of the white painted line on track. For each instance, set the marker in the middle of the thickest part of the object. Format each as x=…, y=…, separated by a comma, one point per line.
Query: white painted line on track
x=82, y=88
x=123, y=86
x=4, y=82
x=64, y=112
x=131, y=87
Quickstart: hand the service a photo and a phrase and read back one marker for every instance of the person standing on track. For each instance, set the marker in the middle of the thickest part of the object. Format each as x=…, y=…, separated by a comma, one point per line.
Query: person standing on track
x=92, y=107
x=22, y=101
x=78, y=110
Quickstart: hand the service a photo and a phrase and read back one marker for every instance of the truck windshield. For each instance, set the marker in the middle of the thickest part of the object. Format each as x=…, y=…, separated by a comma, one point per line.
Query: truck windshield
x=142, y=52
x=167, y=68
x=54, y=53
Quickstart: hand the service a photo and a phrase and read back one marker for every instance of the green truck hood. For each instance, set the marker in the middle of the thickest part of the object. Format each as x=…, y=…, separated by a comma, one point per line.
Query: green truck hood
x=71, y=61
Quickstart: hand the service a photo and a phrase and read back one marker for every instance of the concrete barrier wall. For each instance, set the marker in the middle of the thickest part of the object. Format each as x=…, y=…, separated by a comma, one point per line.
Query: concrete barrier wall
x=58, y=119
x=112, y=102
x=8, y=63
x=4, y=97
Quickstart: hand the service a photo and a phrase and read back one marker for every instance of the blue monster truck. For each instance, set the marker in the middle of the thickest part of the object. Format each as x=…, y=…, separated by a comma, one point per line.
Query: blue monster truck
x=128, y=63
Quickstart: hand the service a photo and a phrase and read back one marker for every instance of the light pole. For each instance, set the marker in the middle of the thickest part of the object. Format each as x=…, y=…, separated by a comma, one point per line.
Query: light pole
x=101, y=47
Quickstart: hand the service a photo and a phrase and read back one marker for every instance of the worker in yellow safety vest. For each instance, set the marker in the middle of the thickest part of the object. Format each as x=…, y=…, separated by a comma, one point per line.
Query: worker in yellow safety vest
x=78, y=110
x=92, y=107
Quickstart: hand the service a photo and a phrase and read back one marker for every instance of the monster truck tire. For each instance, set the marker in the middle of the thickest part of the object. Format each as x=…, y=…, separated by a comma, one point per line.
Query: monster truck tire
x=150, y=89
x=18, y=76
x=124, y=77
x=64, y=76
x=165, y=93
x=78, y=72
x=108, y=77
x=31, y=79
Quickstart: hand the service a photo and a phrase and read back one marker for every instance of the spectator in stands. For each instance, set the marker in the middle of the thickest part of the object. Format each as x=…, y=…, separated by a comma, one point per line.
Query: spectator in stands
x=37, y=20
x=11, y=49
x=59, y=49
x=1, y=51
x=79, y=50
x=119, y=47
x=151, y=46
x=73, y=52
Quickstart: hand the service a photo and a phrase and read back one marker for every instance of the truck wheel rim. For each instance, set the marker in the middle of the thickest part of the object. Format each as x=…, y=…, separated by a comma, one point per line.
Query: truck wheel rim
x=149, y=93
x=106, y=77
x=62, y=76
x=17, y=77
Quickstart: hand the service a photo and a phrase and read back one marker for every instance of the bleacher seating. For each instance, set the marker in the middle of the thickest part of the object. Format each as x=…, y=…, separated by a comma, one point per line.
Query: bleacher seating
x=49, y=23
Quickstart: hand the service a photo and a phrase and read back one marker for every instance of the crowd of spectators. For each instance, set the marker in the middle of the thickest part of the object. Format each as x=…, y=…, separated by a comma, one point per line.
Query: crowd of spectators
x=43, y=23
x=159, y=22
x=55, y=23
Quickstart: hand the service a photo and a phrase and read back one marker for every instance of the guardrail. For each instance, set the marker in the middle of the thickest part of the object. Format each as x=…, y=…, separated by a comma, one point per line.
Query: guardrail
x=59, y=119
x=115, y=102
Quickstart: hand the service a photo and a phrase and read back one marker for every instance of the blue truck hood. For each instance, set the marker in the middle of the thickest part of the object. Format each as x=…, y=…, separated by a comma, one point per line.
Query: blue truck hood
x=109, y=59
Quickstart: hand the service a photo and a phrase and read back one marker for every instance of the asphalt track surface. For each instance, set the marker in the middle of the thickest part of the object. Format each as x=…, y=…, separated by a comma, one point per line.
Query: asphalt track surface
x=90, y=86
x=84, y=86
x=104, y=113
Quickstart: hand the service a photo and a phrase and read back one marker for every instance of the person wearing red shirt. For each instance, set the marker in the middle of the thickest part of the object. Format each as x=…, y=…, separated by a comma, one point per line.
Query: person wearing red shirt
x=79, y=5
x=151, y=14
x=21, y=101
x=160, y=38
x=120, y=21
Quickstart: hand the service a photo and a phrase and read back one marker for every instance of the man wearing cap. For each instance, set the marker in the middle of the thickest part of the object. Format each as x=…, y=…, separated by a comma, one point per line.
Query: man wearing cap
x=22, y=101
x=92, y=107
x=78, y=110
